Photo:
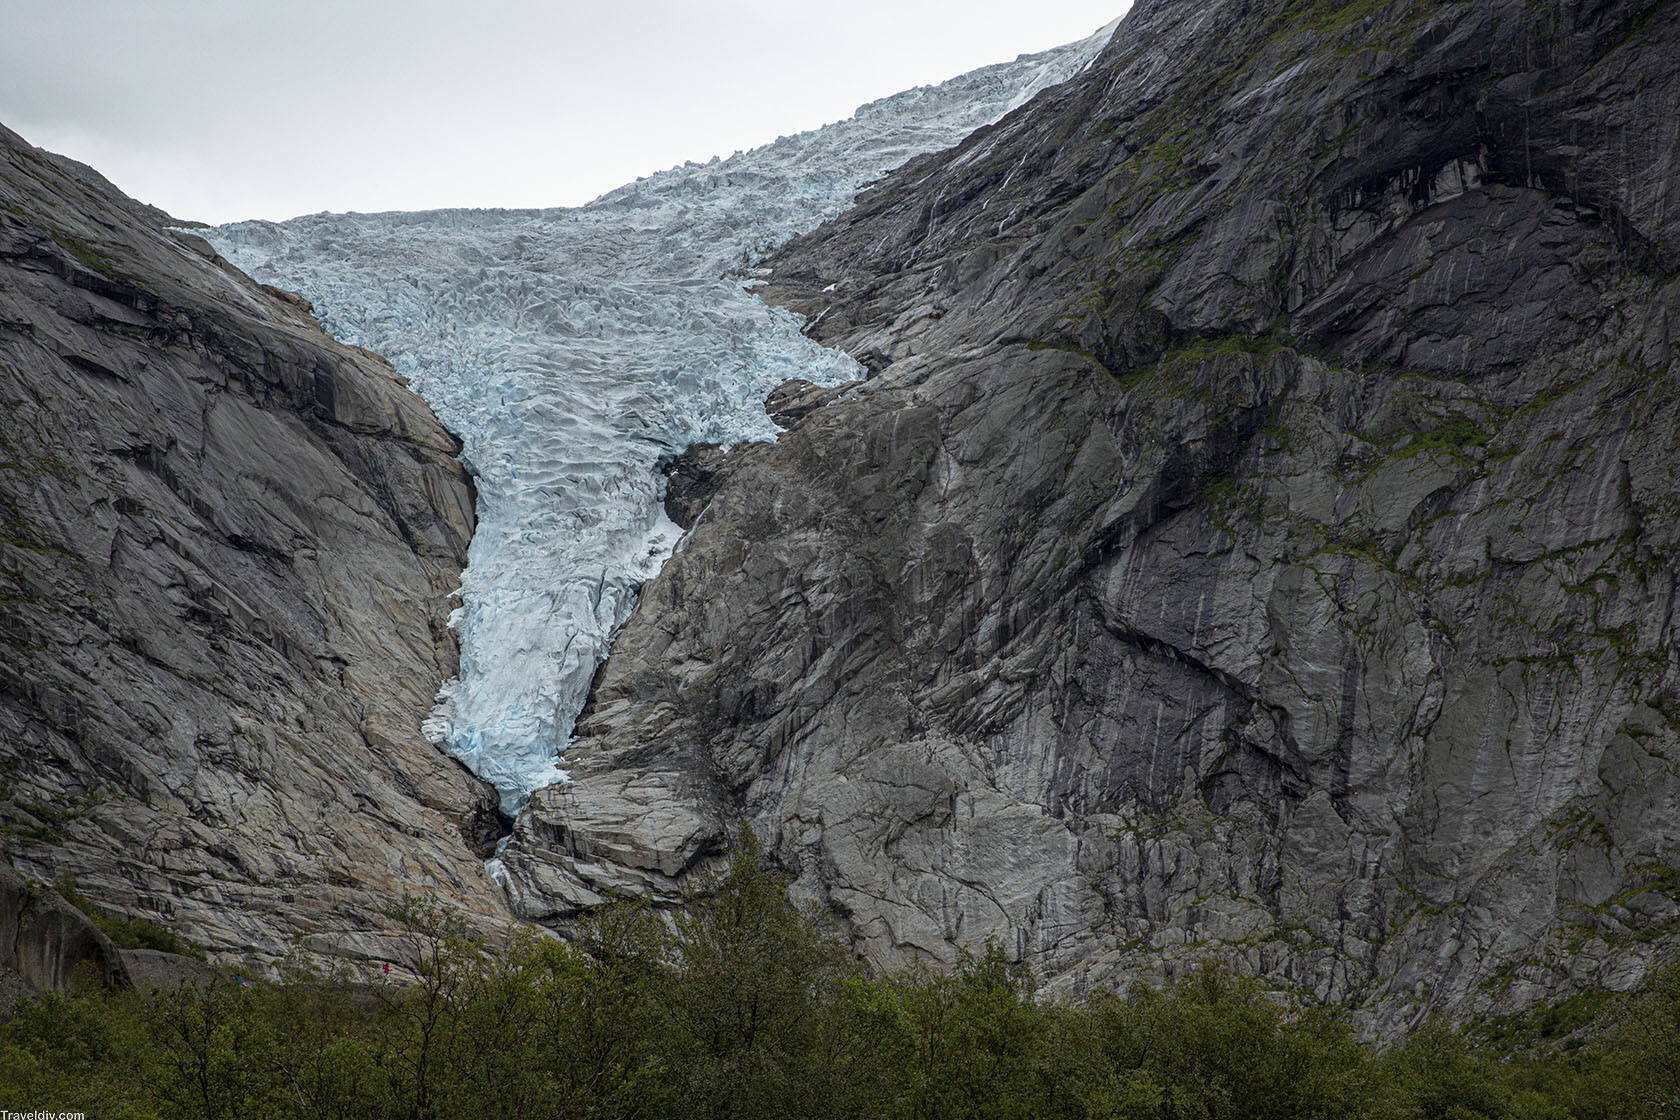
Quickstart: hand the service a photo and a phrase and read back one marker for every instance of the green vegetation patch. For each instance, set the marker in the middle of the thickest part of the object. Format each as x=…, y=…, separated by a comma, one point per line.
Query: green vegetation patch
x=741, y=1004
x=90, y=257
x=1225, y=346
x=125, y=933
x=1330, y=16
x=29, y=820
x=1456, y=433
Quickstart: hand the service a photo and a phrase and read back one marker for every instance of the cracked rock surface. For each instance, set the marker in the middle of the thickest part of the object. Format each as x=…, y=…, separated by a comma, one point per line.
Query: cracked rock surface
x=227, y=553
x=1257, y=540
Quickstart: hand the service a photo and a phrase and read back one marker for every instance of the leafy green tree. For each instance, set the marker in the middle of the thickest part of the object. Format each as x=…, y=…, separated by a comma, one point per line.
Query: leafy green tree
x=1215, y=1046
x=86, y=1050
x=753, y=981
x=607, y=1016
x=1647, y=1042
x=321, y=1063
x=973, y=1044
x=1438, y=1074
x=422, y=1019
x=489, y=1064
x=213, y=1044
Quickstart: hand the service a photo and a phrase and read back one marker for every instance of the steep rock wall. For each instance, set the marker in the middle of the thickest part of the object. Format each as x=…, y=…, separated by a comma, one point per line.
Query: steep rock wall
x=1257, y=539
x=227, y=553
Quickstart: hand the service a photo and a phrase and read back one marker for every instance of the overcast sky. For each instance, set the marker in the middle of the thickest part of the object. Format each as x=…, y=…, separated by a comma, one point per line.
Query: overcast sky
x=225, y=109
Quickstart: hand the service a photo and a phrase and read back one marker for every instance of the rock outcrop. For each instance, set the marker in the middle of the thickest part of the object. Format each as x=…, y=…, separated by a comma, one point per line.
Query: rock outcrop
x=227, y=552
x=1258, y=538
x=48, y=945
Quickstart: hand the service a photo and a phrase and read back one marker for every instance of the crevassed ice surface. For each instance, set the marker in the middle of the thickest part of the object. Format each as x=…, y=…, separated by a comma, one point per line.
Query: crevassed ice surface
x=570, y=349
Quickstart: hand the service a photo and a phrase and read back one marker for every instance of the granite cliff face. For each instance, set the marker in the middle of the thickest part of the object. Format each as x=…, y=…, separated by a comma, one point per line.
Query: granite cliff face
x=227, y=552
x=1258, y=537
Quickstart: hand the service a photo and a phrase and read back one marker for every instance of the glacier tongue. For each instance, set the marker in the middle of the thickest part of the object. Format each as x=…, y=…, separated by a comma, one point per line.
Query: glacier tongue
x=570, y=349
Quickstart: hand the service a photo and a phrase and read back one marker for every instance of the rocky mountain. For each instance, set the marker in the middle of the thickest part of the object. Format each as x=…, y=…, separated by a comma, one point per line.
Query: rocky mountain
x=226, y=560
x=1257, y=538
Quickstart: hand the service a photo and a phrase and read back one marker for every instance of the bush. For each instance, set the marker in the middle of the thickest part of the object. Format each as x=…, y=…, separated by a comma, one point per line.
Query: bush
x=743, y=1005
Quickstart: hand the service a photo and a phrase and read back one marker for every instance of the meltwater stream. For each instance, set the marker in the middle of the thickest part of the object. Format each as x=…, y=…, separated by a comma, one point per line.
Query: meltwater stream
x=571, y=349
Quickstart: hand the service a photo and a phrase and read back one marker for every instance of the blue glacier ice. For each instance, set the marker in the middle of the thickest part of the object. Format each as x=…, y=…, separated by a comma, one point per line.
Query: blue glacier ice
x=570, y=349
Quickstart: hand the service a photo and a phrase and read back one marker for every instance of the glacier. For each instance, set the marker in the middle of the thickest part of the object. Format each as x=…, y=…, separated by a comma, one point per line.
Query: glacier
x=572, y=349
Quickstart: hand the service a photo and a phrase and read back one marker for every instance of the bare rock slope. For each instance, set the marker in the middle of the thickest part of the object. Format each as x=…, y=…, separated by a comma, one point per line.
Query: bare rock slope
x=227, y=549
x=1258, y=538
